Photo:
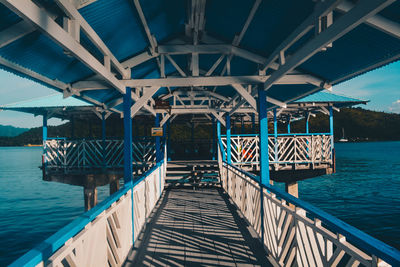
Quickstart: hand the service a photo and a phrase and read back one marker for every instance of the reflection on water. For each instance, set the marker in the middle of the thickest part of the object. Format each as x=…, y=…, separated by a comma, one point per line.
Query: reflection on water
x=364, y=192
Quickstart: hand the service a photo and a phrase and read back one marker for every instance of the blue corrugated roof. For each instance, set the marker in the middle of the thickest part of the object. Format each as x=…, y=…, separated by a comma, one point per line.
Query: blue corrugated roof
x=118, y=25
x=327, y=97
x=55, y=100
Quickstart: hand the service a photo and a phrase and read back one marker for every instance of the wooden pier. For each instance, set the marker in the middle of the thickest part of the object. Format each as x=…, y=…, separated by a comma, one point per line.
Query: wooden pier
x=197, y=228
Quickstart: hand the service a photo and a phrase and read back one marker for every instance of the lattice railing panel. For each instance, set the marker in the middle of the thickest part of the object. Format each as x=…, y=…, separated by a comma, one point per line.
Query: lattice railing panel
x=292, y=236
x=67, y=154
x=292, y=149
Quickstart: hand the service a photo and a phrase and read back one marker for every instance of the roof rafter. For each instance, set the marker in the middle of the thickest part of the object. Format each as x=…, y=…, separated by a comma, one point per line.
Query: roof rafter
x=36, y=15
x=378, y=22
x=362, y=11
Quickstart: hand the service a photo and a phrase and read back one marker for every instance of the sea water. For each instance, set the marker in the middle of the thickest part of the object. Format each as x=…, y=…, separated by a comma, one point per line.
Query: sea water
x=364, y=192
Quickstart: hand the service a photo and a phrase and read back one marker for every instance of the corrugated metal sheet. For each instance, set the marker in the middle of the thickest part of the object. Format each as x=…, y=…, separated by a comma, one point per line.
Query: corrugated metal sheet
x=119, y=26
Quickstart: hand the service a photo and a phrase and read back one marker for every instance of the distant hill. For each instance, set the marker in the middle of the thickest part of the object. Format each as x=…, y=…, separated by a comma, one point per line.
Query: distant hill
x=10, y=131
x=359, y=125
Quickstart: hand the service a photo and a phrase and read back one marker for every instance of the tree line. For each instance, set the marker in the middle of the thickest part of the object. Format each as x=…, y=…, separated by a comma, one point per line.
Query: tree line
x=359, y=125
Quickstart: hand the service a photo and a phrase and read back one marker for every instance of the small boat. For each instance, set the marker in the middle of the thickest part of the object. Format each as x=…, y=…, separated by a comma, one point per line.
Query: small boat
x=343, y=139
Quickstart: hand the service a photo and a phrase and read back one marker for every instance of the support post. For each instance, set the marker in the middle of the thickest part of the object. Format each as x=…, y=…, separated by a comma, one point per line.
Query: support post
x=276, y=136
x=158, y=139
x=128, y=169
x=44, y=139
x=114, y=186
x=168, y=140
x=293, y=189
x=333, y=157
x=214, y=141
x=90, y=197
x=103, y=136
x=331, y=125
x=307, y=121
x=264, y=157
x=288, y=126
x=242, y=126
x=89, y=192
x=253, y=122
x=228, y=139
x=219, y=138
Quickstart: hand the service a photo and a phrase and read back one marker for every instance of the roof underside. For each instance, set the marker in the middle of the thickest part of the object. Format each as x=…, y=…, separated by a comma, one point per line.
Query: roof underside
x=124, y=32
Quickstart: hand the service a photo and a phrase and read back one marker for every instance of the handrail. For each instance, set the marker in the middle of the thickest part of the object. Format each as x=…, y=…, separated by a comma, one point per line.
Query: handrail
x=48, y=247
x=281, y=134
x=356, y=236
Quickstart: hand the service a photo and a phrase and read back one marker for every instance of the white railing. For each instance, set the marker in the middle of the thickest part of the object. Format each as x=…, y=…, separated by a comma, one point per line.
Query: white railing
x=104, y=235
x=314, y=149
x=75, y=154
x=298, y=234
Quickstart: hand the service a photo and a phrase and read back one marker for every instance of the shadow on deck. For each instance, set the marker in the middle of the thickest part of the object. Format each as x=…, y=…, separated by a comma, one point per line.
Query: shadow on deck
x=197, y=228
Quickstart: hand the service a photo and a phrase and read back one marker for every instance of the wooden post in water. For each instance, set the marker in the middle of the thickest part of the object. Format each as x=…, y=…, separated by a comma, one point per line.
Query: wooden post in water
x=292, y=188
x=114, y=186
x=90, y=192
x=90, y=197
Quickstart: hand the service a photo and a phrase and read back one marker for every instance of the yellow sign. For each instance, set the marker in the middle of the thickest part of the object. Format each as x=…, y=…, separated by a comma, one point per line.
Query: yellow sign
x=157, y=131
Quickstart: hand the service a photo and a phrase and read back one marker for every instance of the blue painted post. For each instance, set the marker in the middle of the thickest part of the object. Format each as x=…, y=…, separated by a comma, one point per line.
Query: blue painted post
x=253, y=122
x=288, y=126
x=264, y=156
x=331, y=127
x=307, y=119
x=219, y=138
x=228, y=139
x=103, y=136
x=214, y=142
x=169, y=141
x=44, y=134
x=158, y=141
x=128, y=169
x=276, y=136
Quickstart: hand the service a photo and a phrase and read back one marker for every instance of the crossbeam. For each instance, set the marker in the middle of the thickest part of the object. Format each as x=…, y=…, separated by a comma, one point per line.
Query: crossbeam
x=213, y=81
x=357, y=15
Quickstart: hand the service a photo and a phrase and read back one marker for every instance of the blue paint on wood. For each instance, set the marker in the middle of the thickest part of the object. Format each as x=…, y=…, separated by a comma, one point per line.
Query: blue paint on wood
x=158, y=139
x=264, y=158
x=288, y=127
x=228, y=139
x=275, y=135
x=47, y=248
x=128, y=169
x=221, y=147
x=103, y=136
x=307, y=122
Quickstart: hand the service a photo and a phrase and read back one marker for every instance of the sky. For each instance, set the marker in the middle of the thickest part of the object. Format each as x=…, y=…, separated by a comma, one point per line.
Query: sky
x=381, y=87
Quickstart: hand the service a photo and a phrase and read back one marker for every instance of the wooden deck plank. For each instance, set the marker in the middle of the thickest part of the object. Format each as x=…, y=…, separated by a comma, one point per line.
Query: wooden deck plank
x=196, y=228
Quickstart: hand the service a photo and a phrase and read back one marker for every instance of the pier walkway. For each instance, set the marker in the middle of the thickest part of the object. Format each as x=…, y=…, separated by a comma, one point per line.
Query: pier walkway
x=197, y=228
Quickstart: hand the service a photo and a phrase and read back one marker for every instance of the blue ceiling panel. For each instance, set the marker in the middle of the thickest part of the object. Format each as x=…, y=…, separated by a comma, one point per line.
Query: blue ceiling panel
x=225, y=18
x=273, y=22
x=116, y=22
x=38, y=53
x=166, y=19
x=362, y=47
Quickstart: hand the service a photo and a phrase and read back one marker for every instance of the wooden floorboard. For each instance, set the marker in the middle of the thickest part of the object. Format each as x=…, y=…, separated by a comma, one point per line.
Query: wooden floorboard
x=196, y=228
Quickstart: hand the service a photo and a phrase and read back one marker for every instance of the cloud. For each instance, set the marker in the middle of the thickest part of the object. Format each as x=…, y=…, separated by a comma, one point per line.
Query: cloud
x=395, y=107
